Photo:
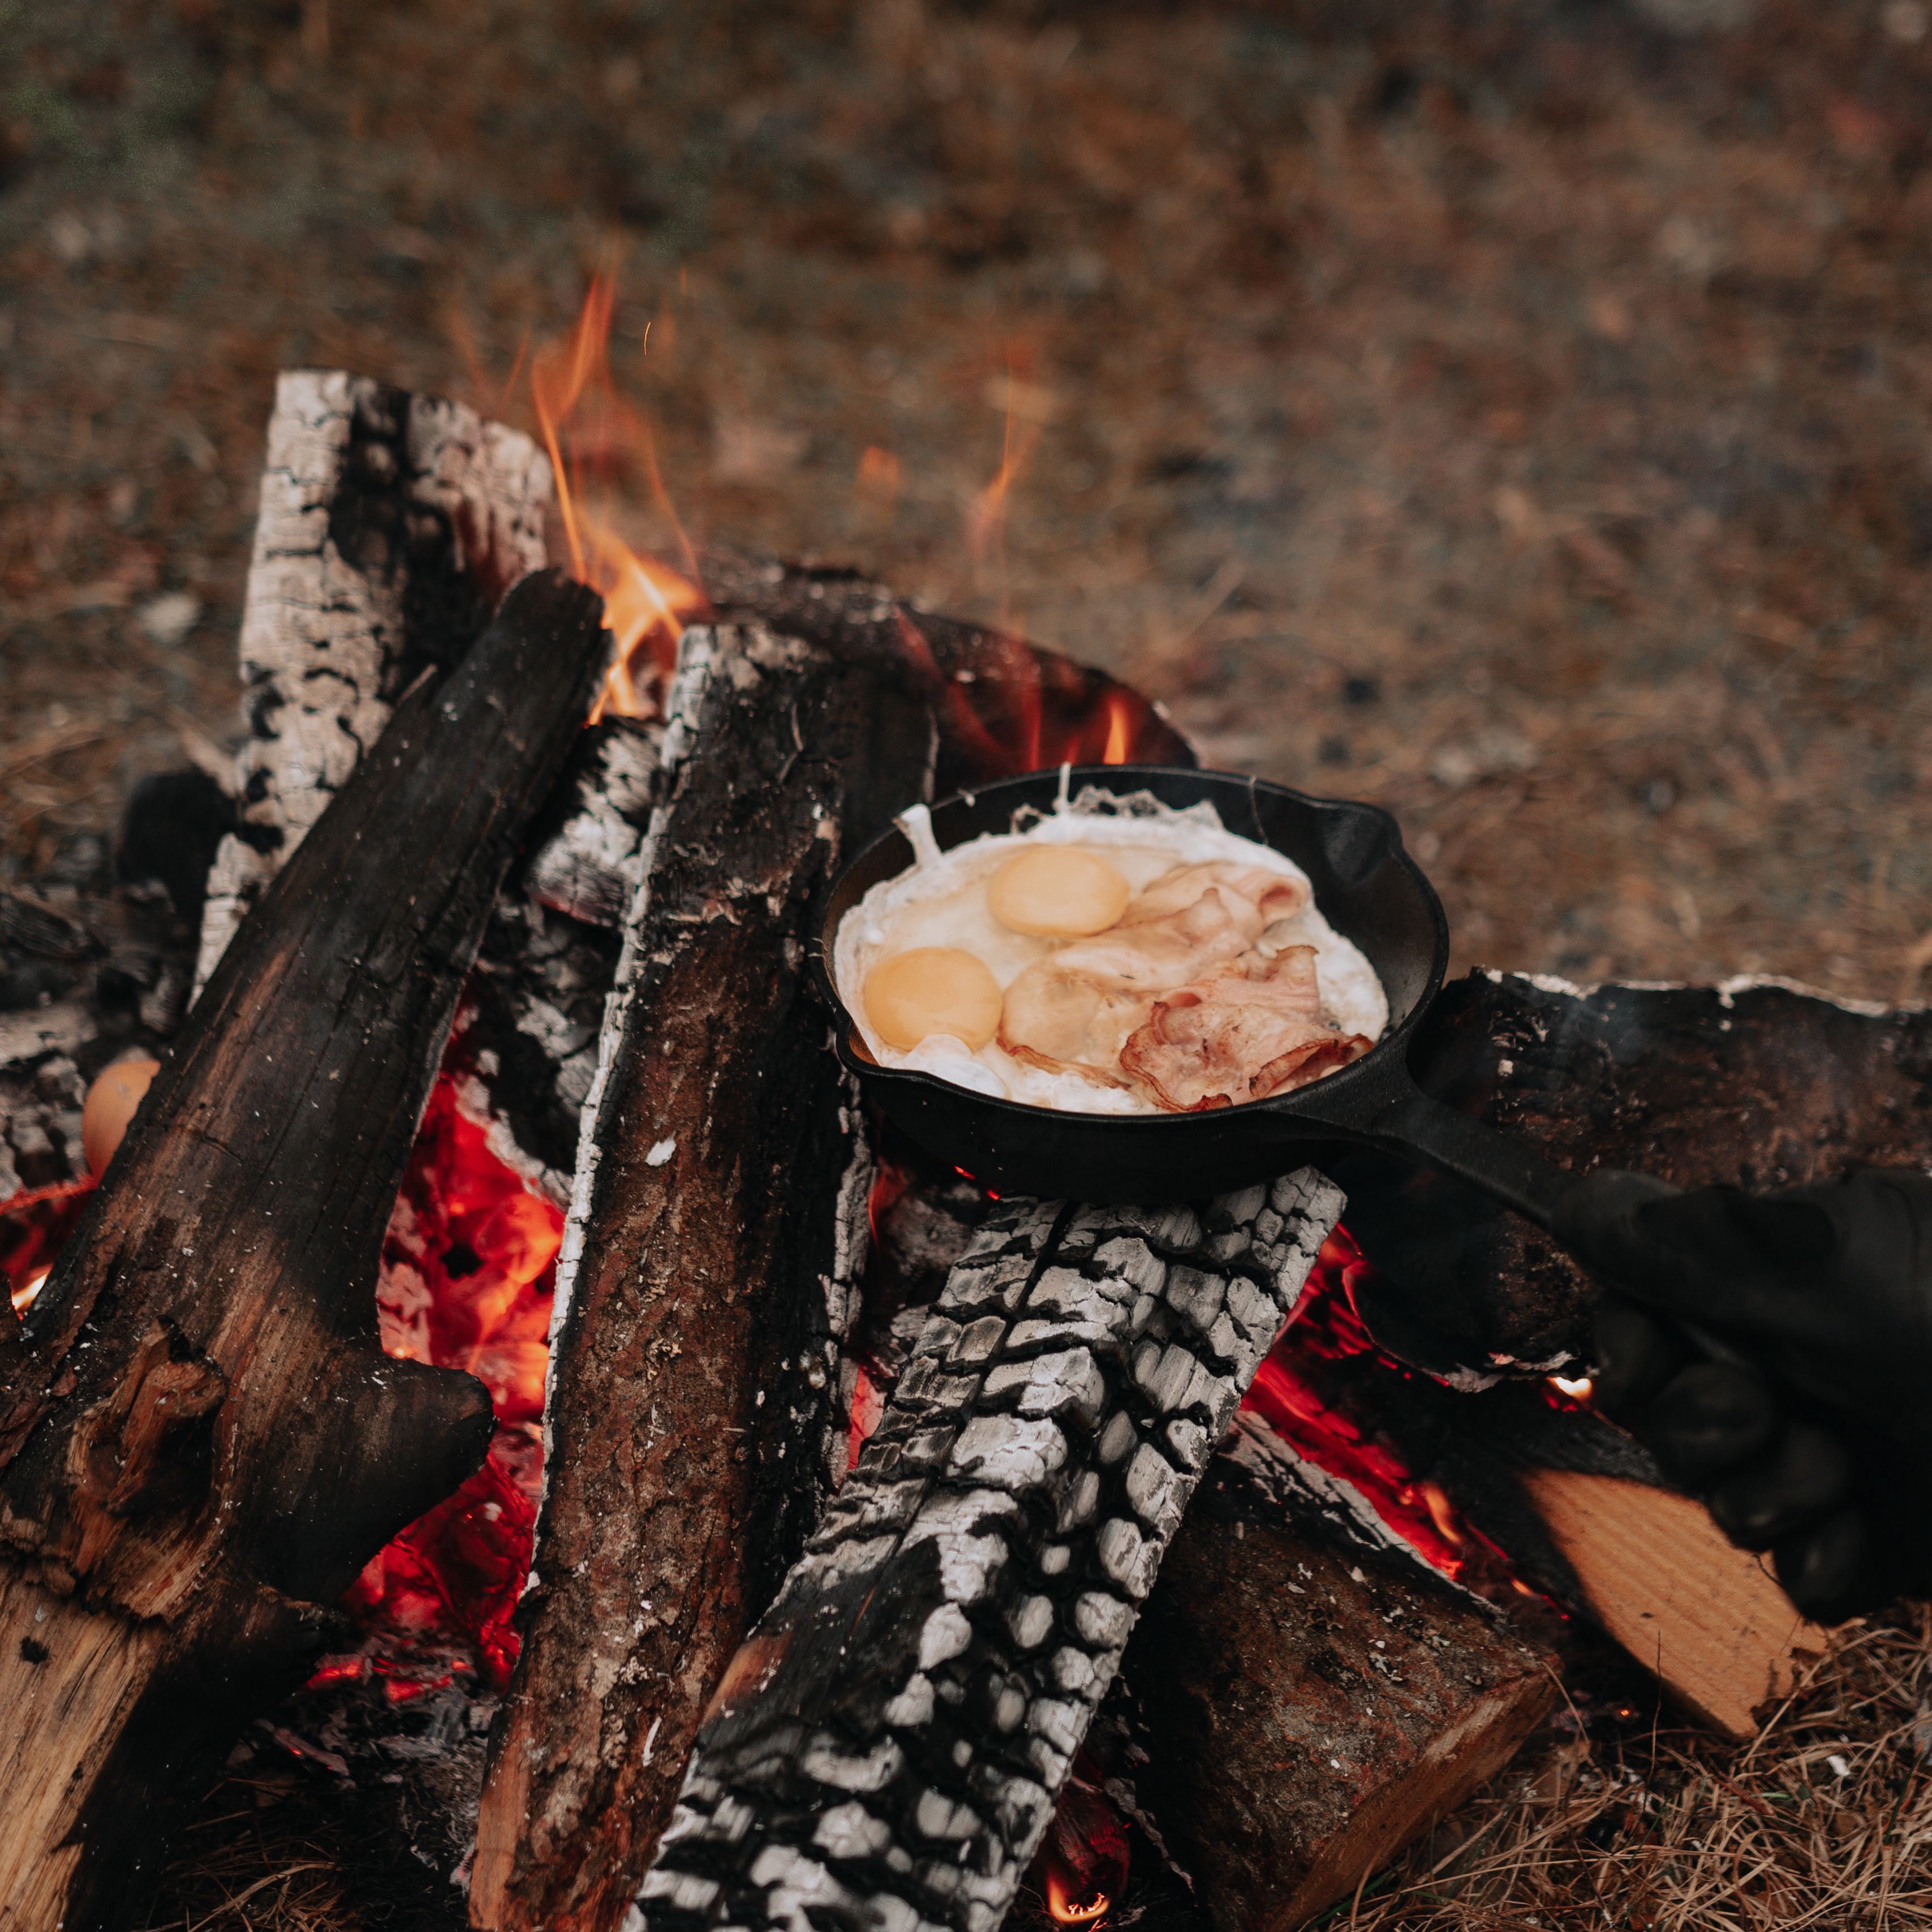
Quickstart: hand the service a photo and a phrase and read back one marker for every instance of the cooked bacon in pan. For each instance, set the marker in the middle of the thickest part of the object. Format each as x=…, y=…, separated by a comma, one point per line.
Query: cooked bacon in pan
x=1248, y=1028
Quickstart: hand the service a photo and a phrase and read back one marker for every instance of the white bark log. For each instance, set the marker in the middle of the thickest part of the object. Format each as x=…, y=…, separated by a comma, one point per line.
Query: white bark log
x=440, y=512
x=885, y=1750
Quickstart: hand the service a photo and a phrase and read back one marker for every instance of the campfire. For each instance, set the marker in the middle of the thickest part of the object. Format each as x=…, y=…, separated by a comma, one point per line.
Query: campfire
x=505, y=1358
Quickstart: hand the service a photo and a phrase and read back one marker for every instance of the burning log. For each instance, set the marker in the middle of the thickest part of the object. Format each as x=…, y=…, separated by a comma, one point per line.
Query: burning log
x=708, y=1270
x=202, y=1442
x=1309, y=1709
x=1756, y=1083
x=887, y=1746
x=390, y=527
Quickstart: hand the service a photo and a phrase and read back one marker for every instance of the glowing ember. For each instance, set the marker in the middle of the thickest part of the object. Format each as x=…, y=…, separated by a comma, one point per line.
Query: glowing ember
x=1289, y=1394
x=468, y=1266
x=1074, y=1912
x=1081, y=1867
x=1578, y=1388
x=35, y=1225
x=589, y=428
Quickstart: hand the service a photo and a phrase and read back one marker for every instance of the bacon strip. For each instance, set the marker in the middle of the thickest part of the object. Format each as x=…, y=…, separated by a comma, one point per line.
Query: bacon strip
x=1072, y=1011
x=1249, y=1028
x=1255, y=897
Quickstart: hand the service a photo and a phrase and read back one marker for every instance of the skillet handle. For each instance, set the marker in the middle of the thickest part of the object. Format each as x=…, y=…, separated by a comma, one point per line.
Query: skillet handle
x=1589, y=1213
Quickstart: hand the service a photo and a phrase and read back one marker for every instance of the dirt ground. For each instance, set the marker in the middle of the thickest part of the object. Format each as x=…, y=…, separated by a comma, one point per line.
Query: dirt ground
x=1514, y=413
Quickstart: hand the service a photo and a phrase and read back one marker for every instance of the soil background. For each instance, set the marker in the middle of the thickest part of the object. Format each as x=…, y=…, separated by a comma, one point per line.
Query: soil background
x=1515, y=413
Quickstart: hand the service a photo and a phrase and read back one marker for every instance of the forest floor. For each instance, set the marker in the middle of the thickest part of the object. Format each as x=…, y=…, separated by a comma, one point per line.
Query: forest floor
x=1515, y=413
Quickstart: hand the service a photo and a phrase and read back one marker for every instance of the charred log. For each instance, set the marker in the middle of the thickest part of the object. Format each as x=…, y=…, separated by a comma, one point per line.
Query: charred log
x=202, y=1441
x=709, y=1268
x=886, y=1748
x=1004, y=706
x=1309, y=1709
x=1755, y=1082
x=390, y=527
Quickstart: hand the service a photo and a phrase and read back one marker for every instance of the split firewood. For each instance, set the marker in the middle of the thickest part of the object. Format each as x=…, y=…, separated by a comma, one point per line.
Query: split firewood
x=1661, y=1577
x=390, y=527
x=1310, y=1707
x=202, y=1442
x=885, y=1750
x=1578, y=1508
x=710, y=1265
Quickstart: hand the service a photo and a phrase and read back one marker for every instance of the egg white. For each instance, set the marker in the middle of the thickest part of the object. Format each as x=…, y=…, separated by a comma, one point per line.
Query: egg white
x=941, y=901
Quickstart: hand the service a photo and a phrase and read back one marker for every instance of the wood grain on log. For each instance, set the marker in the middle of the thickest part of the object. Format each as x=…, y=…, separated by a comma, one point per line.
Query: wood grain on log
x=390, y=527
x=205, y=1442
x=1757, y=1083
x=710, y=1263
x=886, y=1749
x=1309, y=1711
x=1666, y=1582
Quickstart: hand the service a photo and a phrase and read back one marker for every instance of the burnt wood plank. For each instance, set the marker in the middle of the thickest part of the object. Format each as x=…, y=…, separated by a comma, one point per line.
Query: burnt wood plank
x=712, y=1250
x=202, y=1440
x=886, y=1748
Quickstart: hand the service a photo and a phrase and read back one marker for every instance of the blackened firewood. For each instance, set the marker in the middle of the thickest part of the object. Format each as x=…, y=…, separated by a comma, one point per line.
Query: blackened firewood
x=885, y=1750
x=1004, y=705
x=1755, y=1082
x=708, y=1267
x=203, y=1442
x=1309, y=1711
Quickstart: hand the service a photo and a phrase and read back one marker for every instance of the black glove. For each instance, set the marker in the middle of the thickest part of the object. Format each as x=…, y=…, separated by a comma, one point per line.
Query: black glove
x=1774, y=1353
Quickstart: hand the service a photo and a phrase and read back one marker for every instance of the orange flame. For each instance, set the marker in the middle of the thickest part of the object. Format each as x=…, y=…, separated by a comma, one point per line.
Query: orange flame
x=986, y=516
x=587, y=426
x=1082, y=1865
x=1068, y=1911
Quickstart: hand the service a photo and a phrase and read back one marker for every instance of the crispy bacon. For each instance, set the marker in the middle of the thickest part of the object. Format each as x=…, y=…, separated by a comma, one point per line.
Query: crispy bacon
x=1249, y=1028
x=1072, y=1011
x=1255, y=897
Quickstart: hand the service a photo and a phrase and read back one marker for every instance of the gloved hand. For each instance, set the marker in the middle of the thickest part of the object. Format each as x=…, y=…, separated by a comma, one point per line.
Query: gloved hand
x=1774, y=1353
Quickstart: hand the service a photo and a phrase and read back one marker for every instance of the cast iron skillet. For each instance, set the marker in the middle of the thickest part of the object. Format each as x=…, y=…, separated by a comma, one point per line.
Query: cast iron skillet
x=1371, y=891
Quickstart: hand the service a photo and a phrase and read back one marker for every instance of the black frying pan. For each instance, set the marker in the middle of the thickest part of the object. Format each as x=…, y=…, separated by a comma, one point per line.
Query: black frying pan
x=1371, y=891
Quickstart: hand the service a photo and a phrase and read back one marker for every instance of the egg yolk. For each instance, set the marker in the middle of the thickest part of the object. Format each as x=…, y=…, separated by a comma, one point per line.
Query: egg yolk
x=109, y=1107
x=1057, y=891
x=932, y=989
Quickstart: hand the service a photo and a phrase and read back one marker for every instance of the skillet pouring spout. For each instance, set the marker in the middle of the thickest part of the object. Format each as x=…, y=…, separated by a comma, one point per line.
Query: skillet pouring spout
x=1370, y=889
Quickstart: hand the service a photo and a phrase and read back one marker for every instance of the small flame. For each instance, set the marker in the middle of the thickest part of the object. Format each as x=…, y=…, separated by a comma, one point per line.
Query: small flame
x=1071, y=1912
x=1578, y=1388
x=35, y=1225
x=1082, y=1865
x=586, y=425
x=879, y=477
x=986, y=516
x=1120, y=729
